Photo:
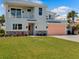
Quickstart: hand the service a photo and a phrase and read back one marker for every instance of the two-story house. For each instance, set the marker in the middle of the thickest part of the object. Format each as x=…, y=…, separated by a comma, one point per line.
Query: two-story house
x=25, y=18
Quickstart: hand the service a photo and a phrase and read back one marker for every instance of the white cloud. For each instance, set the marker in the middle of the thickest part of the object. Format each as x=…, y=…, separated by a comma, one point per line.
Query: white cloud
x=1, y=9
x=35, y=1
x=2, y=5
x=61, y=10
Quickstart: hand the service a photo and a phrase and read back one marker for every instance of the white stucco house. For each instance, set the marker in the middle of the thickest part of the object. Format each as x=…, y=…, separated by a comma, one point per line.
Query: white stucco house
x=26, y=18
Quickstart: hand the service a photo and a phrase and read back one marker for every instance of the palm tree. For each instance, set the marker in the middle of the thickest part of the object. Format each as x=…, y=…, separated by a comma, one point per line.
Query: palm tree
x=71, y=19
x=72, y=15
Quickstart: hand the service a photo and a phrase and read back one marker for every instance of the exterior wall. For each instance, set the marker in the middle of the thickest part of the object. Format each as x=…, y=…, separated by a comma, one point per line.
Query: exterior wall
x=56, y=29
x=22, y=33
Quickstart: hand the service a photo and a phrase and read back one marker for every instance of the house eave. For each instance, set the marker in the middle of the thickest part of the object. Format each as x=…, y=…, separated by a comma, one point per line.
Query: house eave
x=24, y=3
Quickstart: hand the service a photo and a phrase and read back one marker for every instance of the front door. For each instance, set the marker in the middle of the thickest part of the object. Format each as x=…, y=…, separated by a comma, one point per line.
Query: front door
x=31, y=28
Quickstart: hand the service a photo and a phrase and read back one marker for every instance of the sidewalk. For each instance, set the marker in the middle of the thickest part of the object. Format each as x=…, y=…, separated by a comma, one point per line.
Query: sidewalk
x=69, y=37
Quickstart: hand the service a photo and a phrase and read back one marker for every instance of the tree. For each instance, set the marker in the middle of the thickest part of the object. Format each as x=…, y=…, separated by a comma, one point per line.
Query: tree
x=71, y=17
x=2, y=19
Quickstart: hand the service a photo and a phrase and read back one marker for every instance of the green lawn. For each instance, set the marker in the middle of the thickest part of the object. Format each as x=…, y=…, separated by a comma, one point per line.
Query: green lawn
x=37, y=48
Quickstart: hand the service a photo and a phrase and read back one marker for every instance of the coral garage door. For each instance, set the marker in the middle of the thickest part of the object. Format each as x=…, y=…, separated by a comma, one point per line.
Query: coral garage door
x=56, y=29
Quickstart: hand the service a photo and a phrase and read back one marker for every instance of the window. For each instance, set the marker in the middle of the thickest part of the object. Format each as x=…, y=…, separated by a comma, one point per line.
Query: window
x=29, y=10
x=8, y=10
x=13, y=12
x=17, y=26
x=36, y=27
x=40, y=11
x=22, y=11
x=50, y=17
x=46, y=27
x=16, y=12
x=14, y=26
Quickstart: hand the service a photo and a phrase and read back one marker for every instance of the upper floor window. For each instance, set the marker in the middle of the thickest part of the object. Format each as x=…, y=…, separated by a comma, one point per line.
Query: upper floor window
x=13, y=12
x=50, y=17
x=29, y=10
x=16, y=13
x=40, y=11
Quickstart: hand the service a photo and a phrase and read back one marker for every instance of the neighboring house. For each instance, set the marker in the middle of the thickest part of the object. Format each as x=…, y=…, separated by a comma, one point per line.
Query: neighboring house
x=28, y=18
x=77, y=21
x=3, y=26
x=57, y=27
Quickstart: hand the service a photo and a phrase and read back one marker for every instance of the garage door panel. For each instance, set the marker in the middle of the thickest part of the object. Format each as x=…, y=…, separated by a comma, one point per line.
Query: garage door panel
x=56, y=29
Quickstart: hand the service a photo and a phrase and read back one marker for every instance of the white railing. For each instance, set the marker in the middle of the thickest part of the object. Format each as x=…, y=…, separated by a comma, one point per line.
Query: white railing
x=30, y=17
x=56, y=21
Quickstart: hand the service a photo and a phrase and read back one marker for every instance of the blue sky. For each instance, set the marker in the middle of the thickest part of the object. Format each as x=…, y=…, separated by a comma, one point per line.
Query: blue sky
x=58, y=3
x=1, y=7
x=54, y=5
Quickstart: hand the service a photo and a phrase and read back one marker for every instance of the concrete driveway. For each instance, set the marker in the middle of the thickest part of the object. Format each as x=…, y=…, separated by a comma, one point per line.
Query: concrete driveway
x=69, y=37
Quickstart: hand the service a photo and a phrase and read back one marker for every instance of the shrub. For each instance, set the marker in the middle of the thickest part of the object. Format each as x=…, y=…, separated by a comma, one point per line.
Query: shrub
x=2, y=32
x=77, y=27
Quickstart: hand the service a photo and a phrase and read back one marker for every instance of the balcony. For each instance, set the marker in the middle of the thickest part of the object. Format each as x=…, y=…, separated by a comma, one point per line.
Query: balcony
x=25, y=17
x=52, y=20
x=27, y=13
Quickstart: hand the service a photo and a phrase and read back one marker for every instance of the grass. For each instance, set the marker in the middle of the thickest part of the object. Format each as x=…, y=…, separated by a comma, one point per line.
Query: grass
x=37, y=48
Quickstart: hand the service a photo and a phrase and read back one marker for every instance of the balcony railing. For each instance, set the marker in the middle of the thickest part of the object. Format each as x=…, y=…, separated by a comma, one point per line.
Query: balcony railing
x=56, y=21
x=30, y=17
